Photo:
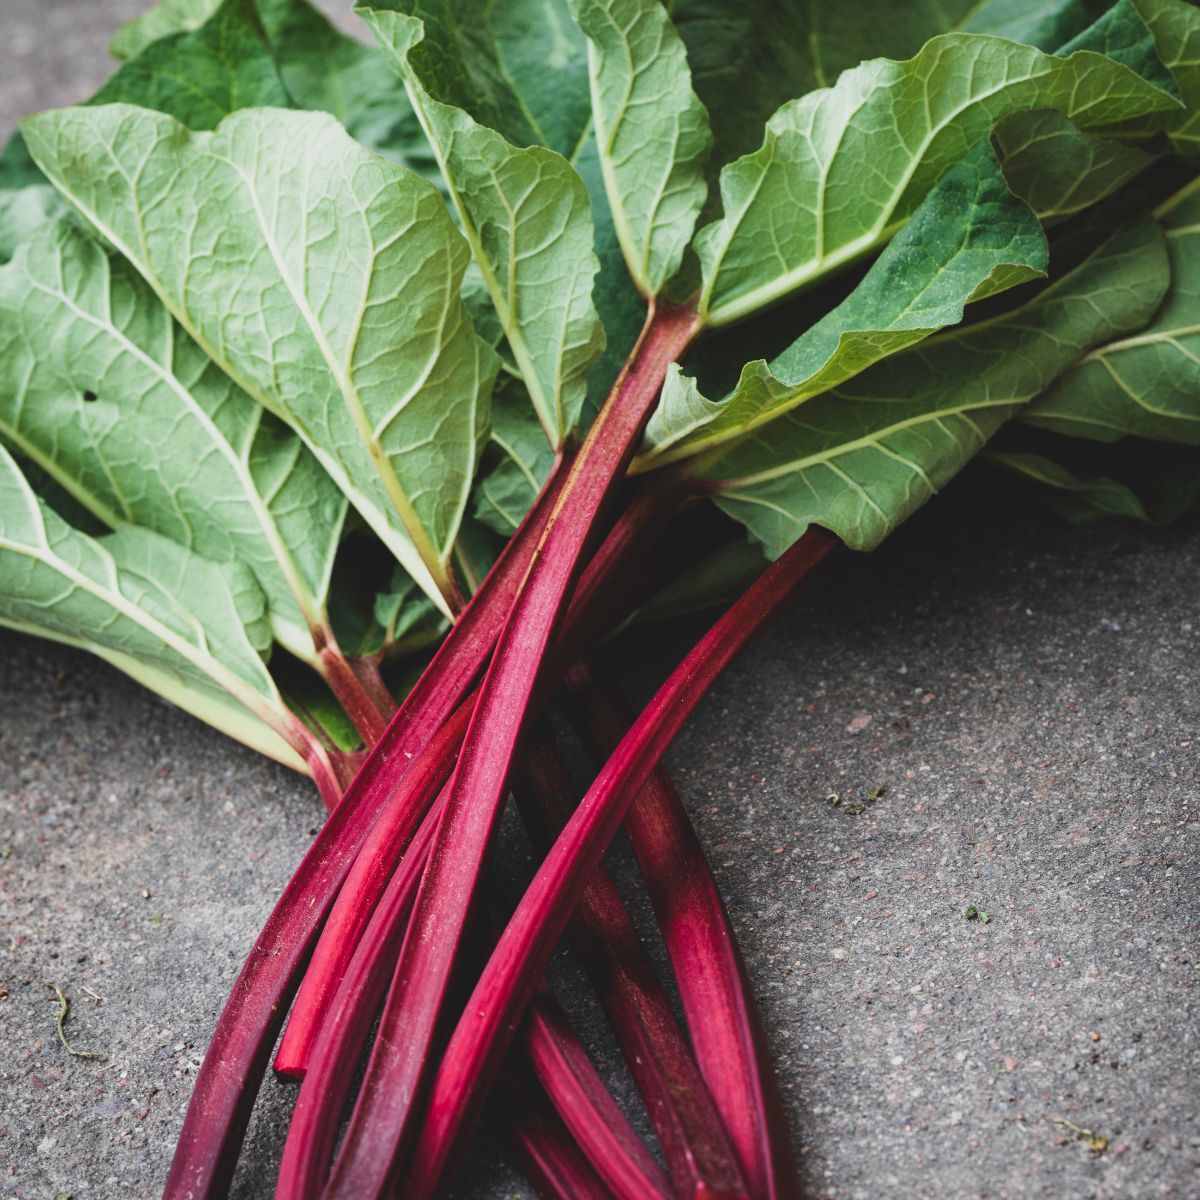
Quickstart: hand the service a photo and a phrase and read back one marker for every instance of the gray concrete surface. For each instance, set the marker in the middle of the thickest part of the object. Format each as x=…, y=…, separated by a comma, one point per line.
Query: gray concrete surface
x=1029, y=696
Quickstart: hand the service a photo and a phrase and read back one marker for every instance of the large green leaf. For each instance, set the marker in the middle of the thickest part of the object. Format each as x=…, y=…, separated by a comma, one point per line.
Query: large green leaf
x=322, y=278
x=322, y=68
x=518, y=68
x=526, y=214
x=750, y=56
x=864, y=457
x=970, y=238
x=1147, y=384
x=27, y=200
x=188, y=628
x=111, y=398
x=164, y=19
x=1173, y=490
x=1057, y=168
x=503, y=495
x=202, y=76
x=1046, y=24
x=842, y=169
x=1175, y=25
x=651, y=133
x=327, y=71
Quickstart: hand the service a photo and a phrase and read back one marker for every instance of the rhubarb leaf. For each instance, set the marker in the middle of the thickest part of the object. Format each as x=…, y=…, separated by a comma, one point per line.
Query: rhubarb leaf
x=1173, y=491
x=27, y=200
x=651, y=133
x=857, y=159
x=867, y=455
x=1148, y=383
x=322, y=278
x=750, y=56
x=164, y=19
x=1122, y=34
x=1034, y=22
x=322, y=69
x=201, y=76
x=970, y=238
x=326, y=71
x=192, y=630
x=1175, y=26
x=527, y=217
x=111, y=398
x=766, y=54
x=504, y=494
x=1057, y=168
x=519, y=69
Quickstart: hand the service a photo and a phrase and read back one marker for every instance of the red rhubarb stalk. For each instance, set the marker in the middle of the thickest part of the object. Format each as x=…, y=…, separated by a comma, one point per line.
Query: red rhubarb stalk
x=346, y=1023
x=585, y=1105
x=560, y=1062
x=601, y=599
x=237, y=1055
x=369, y=1161
x=694, y=1142
x=366, y=880
x=718, y=1004
x=370, y=719
x=549, y=1158
x=493, y=1012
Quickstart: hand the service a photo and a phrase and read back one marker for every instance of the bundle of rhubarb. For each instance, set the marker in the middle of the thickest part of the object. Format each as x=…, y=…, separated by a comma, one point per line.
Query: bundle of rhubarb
x=351, y=395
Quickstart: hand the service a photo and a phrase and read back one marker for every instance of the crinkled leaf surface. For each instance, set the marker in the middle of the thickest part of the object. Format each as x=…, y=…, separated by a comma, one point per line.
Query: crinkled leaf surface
x=201, y=76
x=503, y=496
x=27, y=200
x=765, y=53
x=189, y=628
x=843, y=168
x=1122, y=34
x=164, y=19
x=1175, y=25
x=750, y=56
x=864, y=457
x=970, y=238
x=651, y=133
x=327, y=71
x=1046, y=24
x=322, y=69
x=1056, y=167
x=322, y=278
x=526, y=214
x=101, y=388
x=519, y=68
x=1146, y=384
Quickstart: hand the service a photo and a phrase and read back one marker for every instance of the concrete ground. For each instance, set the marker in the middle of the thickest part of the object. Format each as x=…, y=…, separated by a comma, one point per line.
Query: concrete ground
x=1027, y=694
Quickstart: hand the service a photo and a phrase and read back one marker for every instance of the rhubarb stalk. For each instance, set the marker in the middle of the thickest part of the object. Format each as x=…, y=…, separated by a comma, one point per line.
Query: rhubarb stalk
x=694, y=1143
x=237, y=1055
x=381, y=1123
x=489, y=1021
x=718, y=1005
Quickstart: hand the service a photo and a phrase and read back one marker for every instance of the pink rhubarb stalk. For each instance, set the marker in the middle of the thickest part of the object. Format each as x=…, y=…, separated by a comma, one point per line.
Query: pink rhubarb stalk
x=694, y=1142
x=551, y=1161
x=227, y=1084
x=585, y=1105
x=718, y=1004
x=601, y=599
x=493, y=1012
x=560, y=1062
x=371, y=1152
